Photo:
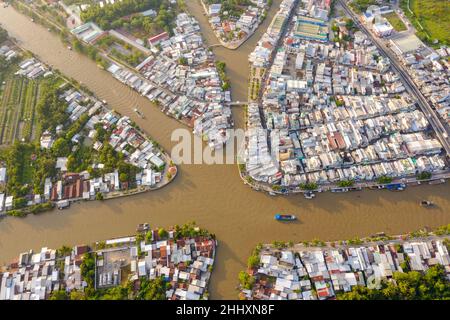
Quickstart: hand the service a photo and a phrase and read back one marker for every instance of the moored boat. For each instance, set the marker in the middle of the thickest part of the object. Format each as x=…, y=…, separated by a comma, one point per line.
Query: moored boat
x=63, y=204
x=143, y=227
x=285, y=217
x=439, y=181
x=309, y=195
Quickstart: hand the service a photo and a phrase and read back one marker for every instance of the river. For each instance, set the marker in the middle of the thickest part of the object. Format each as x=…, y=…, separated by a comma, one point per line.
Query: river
x=213, y=196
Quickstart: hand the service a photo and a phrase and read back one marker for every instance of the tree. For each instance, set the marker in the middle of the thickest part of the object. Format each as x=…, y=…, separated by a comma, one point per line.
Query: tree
x=183, y=61
x=162, y=233
x=349, y=24
x=116, y=293
x=253, y=261
x=19, y=203
x=87, y=269
x=412, y=285
x=246, y=280
x=77, y=295
x=61, y=147
x=77, y=45
x=3, y=34
x=152, y=289
x=346, y=183
x=424, y=175
x=59, y=295
x=309, y=186
x=384, y=180
x=123, y=177
x=64, y=251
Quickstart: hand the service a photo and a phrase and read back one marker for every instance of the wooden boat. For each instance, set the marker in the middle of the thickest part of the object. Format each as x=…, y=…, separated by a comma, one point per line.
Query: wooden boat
x=139, y=113
x=143, y=227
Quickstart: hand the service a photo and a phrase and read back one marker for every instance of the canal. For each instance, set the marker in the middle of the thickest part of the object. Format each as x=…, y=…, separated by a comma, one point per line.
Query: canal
x=213, y=196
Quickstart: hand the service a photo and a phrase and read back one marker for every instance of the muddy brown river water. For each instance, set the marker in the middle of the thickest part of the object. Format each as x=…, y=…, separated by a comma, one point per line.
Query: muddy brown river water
x=213, y=196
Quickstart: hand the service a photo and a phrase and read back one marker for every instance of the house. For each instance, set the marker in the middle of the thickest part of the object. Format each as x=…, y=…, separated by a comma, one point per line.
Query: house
x=2, y=175
x=214, y=9
x=46, y=140
x=383, y=29
x=9, y=203
x=2, y=200
x=155, y=40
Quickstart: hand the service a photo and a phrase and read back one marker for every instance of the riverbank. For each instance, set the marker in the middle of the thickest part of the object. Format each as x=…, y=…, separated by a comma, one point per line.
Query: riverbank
x=304, y=137
x=326, y=271
x=168, y=81
x=399, y=185
x=126, y=262
x=60, y=193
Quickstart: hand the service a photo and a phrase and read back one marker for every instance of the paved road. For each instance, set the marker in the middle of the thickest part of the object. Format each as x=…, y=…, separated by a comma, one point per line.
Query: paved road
x=441, y=131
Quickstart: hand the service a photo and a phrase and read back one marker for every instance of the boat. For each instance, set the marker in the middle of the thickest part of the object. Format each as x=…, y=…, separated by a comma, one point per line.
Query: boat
x=69, y=47
x=376, y=187
x=339, y=189
x=396, y=186
x=272, y=193
x=63, y=204
x=309, y=195
x=437, y=181
x=380, y=234
x=426, y=203
x=139, y=113
x=285, y=217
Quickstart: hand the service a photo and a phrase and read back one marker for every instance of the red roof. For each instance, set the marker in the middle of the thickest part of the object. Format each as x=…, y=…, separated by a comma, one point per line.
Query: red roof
x=160, y=37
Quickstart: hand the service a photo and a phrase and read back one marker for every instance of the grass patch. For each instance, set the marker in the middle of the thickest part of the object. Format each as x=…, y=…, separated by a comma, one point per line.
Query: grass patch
x=395, y=21
x=430, y=18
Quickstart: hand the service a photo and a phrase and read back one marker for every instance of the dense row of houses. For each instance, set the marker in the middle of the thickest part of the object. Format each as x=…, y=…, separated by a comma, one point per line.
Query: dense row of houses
x=8, y=52
x=32, y=69
x=124, y=138
x=181, y=77
x=430, y=70
x=231, y=30
x=334, y=113
x=319, y=273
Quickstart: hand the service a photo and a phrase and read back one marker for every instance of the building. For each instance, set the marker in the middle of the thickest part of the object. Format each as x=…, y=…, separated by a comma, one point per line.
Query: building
x=214, y=9
x=2, y=175
x=383, y=29
x=311, y=29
